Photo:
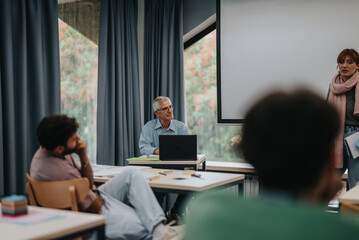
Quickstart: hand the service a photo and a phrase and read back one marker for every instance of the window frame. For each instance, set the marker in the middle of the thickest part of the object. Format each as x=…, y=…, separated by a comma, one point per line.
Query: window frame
x=199, y=36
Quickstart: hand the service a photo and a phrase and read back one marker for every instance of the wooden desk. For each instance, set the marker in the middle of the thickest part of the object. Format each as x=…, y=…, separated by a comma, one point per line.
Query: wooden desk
x=187, y=184
x=349, y=201
x=175, y=164
x=71, y=225
x=351, y=196
x=168, y=183
x=231, y=167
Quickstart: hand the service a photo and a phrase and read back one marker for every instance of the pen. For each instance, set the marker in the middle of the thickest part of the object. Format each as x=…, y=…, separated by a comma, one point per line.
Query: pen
x=154, y=178
x=163, y=173
x=196, y=175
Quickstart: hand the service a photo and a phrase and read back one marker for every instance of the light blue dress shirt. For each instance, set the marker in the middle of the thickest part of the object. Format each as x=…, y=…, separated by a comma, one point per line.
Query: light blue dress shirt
x=149, y=139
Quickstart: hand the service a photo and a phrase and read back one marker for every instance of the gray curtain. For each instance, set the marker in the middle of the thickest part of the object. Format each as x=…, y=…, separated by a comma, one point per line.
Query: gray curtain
x=163, y=55
x=118, y=114
x=30, y=83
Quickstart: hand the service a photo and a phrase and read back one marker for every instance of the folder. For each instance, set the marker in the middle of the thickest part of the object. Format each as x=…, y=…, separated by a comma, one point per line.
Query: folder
x=352, y=144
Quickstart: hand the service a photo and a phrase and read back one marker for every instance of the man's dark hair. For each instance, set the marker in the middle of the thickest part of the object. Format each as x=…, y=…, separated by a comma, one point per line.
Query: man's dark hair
x=55, y=130
x=288, y=138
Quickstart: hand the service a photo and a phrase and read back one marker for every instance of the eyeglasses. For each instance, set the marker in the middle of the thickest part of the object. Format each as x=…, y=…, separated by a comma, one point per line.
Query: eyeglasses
x=166, y=109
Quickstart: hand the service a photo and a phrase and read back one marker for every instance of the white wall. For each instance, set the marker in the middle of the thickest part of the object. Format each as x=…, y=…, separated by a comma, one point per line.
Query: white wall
x=270, y=44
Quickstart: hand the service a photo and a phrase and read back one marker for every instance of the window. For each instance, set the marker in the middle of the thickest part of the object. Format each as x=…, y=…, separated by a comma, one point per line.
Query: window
x=217, y=142
x=78, y=64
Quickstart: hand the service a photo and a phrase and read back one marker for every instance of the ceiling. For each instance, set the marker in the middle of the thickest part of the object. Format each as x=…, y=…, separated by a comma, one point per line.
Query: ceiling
x=83, y=16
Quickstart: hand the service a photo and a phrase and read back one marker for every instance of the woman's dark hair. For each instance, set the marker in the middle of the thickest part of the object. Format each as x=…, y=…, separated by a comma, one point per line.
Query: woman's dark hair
x=55, y=130
x=348, y=52
x=288, y=138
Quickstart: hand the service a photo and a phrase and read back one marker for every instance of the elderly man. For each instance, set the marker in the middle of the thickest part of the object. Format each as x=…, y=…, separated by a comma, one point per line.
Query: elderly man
x=163, y=125
x=149, y=141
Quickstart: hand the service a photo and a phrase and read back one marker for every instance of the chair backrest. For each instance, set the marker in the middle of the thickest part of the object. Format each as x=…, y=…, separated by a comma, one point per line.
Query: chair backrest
x=57, y=194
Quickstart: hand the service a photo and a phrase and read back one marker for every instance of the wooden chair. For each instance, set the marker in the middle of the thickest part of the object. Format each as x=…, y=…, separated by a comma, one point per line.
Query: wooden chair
x=57, y=194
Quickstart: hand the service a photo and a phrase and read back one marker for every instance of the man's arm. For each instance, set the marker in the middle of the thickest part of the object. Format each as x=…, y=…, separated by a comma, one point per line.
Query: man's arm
x=145, y=143
x=86, y=171
x=157, y=151
x=96, y=205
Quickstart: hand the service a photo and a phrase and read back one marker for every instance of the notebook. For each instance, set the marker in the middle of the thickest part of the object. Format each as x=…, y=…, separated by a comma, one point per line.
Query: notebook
x=178, y=147
x=352, y=143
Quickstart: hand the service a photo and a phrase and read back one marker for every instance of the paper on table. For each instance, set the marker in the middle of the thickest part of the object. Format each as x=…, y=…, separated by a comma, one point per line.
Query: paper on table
x=149, y=156
x=31, y=218
x=107, y=172
x=351, y=141
x=151, y=176
x=96, y=168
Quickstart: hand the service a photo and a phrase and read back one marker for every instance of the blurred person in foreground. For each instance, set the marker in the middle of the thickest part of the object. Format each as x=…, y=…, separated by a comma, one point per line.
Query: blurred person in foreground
x=289, y=139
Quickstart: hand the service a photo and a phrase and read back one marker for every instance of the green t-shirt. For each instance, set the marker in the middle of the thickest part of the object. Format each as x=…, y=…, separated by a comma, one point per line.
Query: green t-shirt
x=220, y=217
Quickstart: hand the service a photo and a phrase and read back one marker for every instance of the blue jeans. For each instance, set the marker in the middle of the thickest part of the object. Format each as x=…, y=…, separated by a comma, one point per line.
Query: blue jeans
x=130, y=207
x=348, y=162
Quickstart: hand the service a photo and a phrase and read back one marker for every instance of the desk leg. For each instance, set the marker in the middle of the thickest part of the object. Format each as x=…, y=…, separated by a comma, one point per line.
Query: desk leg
x=203, y=166
x=101, y=233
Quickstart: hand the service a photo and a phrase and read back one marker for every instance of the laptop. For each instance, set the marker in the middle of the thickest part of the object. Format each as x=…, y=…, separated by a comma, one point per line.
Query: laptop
x=178, y=147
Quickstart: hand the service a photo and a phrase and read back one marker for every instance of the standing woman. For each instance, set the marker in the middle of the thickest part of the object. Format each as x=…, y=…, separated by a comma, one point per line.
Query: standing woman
x=344, y=95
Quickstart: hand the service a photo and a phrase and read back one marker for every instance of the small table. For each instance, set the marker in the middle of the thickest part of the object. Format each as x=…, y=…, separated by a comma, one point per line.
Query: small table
x=351, y=196
x=349, y=201
x=178, y=182
x=176, y=164
x=231, y=167
x=70, y=224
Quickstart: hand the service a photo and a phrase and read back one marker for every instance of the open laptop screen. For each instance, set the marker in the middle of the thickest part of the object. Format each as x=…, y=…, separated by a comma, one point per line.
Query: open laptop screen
x=178, y=147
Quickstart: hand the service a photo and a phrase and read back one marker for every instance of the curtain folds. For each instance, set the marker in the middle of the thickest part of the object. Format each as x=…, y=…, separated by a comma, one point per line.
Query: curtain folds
x=119, y=116
x=29, y=83
x=163, y=55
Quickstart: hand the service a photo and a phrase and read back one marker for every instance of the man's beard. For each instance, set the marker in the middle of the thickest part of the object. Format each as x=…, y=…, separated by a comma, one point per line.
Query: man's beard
x=68, y=150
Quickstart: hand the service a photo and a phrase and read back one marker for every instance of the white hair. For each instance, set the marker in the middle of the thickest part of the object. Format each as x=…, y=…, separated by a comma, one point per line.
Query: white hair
x=156, y=103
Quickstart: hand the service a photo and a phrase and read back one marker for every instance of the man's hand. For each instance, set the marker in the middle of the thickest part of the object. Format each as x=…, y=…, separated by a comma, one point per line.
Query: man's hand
x=81, y=148
x=81, y=151
x=157, y=151
x=86, y=170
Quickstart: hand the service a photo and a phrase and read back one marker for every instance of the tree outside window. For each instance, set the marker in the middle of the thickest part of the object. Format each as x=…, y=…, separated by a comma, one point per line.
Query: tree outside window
x=217, y=142
x=78, y=64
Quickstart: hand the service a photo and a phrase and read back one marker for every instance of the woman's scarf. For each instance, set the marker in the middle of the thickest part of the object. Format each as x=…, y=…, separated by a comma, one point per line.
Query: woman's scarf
x=337, y=97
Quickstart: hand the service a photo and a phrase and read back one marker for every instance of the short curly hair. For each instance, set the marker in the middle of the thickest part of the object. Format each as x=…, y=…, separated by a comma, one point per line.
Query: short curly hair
x=55, y=130
x=289, y=139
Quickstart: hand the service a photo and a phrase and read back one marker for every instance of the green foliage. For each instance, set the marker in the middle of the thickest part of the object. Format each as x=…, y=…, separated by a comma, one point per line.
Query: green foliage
x=79, y=59
x=201, y=102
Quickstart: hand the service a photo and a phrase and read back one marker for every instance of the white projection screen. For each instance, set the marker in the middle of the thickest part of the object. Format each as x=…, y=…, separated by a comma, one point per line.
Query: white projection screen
x=265, y=45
